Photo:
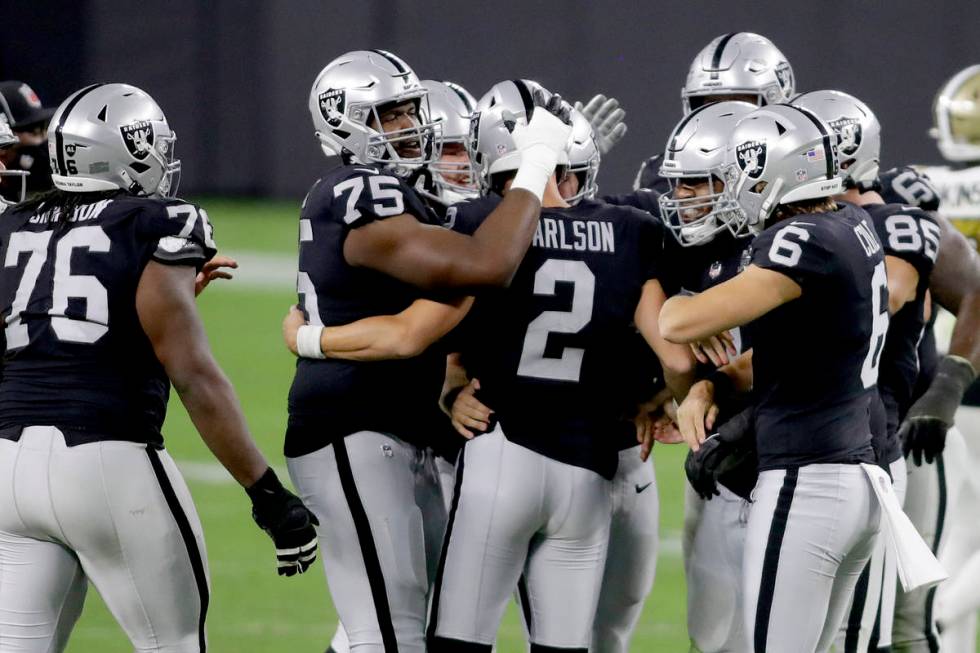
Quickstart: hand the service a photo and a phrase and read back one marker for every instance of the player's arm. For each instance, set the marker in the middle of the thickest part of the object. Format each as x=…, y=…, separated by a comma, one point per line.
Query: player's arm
x=955, y=283
x=903, y=282
x=432, y=257
x=743, y=298
x=697, y=413
x=382, y=337
x=676, y=360
x=168, y=315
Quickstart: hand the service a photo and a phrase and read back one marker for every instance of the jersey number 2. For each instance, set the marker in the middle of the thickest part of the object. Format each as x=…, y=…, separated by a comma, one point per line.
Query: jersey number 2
x=568, y=367
x=66, y=285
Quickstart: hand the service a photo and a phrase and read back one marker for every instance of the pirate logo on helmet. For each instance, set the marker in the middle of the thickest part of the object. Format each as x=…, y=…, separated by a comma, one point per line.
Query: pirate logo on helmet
x=332, y=104
x=784, y=75
x=849, y=130
x=138, y=137
x=751, y=158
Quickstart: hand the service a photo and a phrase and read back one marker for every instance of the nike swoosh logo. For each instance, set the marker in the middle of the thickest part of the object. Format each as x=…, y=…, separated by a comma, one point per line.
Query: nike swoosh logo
x=640, y=488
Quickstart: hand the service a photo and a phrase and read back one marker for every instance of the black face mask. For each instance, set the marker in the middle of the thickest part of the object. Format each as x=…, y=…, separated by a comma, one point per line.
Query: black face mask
x=34, y=159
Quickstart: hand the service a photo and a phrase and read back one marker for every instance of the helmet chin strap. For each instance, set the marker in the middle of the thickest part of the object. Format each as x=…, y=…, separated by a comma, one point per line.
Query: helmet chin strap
x=770, y=201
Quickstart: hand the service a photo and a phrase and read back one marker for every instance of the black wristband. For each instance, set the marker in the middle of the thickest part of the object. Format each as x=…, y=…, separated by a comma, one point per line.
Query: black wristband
x=724, y=385
x=267, y=485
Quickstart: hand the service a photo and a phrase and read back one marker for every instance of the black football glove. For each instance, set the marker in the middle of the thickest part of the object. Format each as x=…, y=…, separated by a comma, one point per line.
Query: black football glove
x=923, y=433
x=289, y=523
x=720, y=453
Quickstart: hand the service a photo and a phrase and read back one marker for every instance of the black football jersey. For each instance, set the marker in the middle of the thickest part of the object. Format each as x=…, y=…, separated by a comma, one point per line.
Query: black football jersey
x=76, y=356
x=549, y=350
x=333, y=398
x=815, y=359
x=907, y=186
x=912, y=235
x=643, y=199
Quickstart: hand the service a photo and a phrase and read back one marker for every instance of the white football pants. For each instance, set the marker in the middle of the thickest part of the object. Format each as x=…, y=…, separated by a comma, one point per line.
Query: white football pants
x=117, y=514
x=517, y=511
x=382, y=516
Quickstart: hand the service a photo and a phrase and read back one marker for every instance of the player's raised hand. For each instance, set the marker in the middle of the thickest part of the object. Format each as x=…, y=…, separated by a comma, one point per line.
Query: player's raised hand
x=548, y=129
x=469, y=413
x=213, y=270
x=607, y=119
x=289, y=523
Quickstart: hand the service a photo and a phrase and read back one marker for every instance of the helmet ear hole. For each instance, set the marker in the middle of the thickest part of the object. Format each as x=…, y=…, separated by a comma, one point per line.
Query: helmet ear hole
x=139, y=167
x=760, y=187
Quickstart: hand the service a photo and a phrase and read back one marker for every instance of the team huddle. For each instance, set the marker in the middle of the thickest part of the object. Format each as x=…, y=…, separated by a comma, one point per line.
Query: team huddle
x=489, y=349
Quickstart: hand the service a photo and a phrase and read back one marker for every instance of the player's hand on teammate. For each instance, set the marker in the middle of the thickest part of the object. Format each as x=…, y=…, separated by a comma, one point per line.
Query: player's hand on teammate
x=923, y=433
x=290, y=327
x=289, y=523
x=697, y=414
x=213, y=270
x=717, y=350
x=654, y=422
x=547, y=130
x=468, y=413
x=719, y=453
x=607, y=119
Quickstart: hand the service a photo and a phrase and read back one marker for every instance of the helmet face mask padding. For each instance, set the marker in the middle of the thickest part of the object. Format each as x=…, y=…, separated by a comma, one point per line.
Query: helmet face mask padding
x=346, y=102
x=113, y=136
x=956, y=116
x=695, y=153
x=738, y=66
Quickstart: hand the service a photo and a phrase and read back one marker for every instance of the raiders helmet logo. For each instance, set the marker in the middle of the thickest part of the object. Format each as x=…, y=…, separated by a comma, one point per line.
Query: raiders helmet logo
x=784, y=75
x=849, y=130
x=752, y=158
x=138, y=138
x=333, y=101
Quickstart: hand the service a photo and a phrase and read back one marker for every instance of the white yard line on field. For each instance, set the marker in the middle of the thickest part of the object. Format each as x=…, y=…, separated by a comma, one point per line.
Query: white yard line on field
x=260, y=270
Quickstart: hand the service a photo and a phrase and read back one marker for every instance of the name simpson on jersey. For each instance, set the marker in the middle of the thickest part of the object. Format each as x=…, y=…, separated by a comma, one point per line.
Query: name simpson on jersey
x=577, y=235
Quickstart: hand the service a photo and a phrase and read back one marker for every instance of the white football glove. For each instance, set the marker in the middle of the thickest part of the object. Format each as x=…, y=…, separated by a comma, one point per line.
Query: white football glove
x=607, y=120
x=543, y=142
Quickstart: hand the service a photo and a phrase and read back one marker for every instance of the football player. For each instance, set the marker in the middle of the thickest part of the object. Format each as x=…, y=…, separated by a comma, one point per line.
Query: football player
x=28, y=118
x=532, y=494
x=449, y=179
x=97, y=291
x=739, y=66
x=815, y=517
x=8, y=140
x=710, y=246
x=947, y=522
x=367, y=246
x=910, y=238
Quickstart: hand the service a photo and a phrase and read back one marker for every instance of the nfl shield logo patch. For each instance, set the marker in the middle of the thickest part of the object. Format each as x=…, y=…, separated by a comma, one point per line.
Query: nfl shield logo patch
x=714, y=270
x=138, y=137
x=333, y=101
x=752, y=158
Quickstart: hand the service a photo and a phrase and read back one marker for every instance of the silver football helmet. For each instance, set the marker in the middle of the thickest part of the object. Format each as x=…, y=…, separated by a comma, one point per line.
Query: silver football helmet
x=956, y=116
x=491, y=140
x=740, y=63
x=9, y=139
x=109, y=136
x=777, y=155
x=583, y=158
x=450, y=107
x=696, y=153
x=858, y=132
x=345, y=101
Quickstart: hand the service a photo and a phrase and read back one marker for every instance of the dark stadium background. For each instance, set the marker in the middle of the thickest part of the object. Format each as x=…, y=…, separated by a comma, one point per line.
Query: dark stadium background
x=233, y=75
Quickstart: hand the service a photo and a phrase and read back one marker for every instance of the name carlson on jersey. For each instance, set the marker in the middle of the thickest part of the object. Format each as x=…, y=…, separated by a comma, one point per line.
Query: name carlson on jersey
x=576, y=235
